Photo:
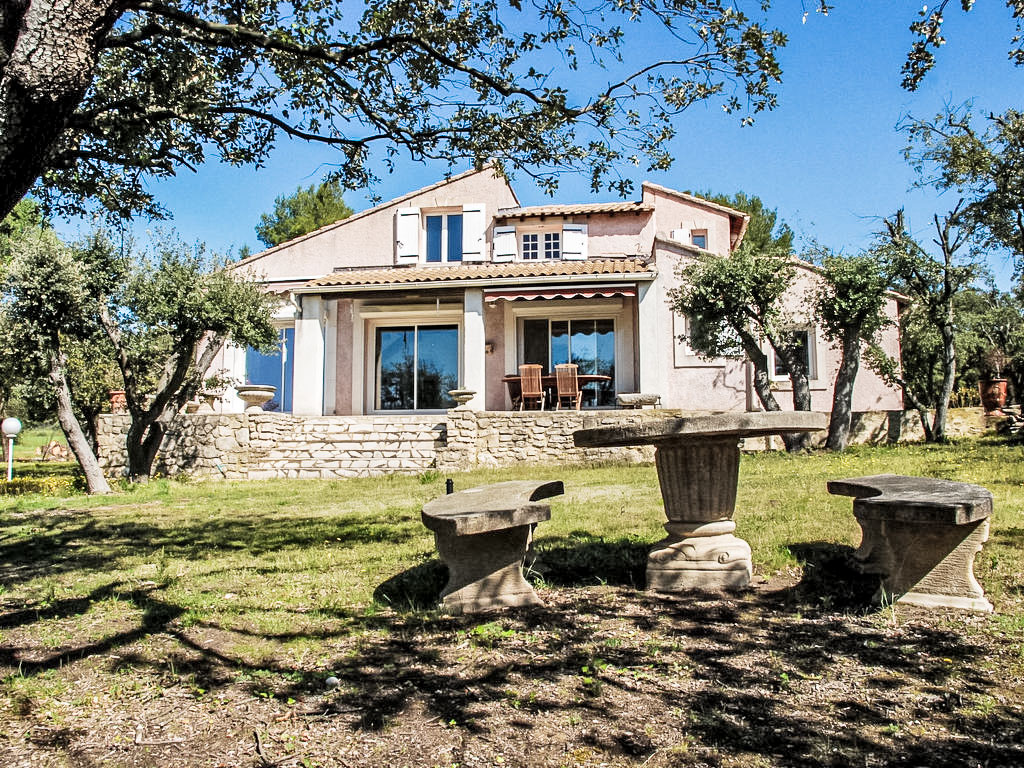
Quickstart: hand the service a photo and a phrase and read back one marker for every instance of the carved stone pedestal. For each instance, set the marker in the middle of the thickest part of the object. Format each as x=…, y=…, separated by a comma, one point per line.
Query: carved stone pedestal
x=698, y=460
x=698, y=486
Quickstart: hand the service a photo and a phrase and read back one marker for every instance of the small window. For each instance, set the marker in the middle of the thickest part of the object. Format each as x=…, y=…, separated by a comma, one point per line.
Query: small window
x=444, y=238
x=801, y=340
x=552, y=245
x=531, y=246
x=699, y=238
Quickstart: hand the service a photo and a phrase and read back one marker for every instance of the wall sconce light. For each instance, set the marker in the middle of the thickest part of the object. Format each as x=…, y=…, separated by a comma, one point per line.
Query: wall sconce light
x=488, y=347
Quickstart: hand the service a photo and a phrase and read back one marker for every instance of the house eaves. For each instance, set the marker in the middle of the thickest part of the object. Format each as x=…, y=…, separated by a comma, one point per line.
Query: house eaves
x=482, y=275
x=739, y=221
x=579, y=209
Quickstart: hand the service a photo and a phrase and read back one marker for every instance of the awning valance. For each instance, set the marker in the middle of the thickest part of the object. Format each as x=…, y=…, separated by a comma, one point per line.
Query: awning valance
x=560, y=292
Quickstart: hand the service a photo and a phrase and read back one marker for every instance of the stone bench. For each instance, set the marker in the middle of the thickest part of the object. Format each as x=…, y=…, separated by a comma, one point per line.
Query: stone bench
x=637, y=399
x=482, y=535
x=921, y=535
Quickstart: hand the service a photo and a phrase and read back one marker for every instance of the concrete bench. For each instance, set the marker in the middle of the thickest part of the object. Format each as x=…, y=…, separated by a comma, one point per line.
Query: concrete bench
x=921, y=535
x=637, y=399
x=482, y=535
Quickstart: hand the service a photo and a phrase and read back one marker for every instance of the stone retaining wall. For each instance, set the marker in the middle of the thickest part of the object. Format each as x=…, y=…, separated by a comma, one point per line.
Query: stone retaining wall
x=243, y=446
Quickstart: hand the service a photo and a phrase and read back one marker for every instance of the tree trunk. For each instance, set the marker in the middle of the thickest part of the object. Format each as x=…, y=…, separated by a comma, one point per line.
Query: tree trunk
x=77, y=441
x=948, y=376
x=145, y=434
x=763, y=387
x=797, y=441
x=49, y=54
x=842, y=394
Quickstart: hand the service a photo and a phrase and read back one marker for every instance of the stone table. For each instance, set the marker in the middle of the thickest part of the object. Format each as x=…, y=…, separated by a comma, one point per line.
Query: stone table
x=698, y=461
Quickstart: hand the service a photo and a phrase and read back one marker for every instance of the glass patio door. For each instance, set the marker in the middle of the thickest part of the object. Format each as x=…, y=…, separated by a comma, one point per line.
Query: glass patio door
x=588, y=343
x=416, y=365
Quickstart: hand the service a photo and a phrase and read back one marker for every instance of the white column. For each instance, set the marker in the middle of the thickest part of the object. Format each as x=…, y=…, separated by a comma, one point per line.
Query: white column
x=653, y=347
x=308, y=375
x=473, y=368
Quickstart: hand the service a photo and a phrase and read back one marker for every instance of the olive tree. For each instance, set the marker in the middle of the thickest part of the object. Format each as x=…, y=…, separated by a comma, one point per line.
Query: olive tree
x=849, y=304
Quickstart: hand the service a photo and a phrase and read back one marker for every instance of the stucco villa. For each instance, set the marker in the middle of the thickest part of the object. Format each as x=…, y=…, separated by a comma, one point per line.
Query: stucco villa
x=455, y=285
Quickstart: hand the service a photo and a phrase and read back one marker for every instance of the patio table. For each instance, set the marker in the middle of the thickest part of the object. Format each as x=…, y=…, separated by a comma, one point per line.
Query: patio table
x=698, y=461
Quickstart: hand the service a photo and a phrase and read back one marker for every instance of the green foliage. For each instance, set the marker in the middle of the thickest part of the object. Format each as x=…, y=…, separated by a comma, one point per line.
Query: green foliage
x=52, y=485
x=26, y=218
x=458, y=81
x=851, y=296
x=927, y=30
x=729, y=297
x=985, y=166
x=306, y=209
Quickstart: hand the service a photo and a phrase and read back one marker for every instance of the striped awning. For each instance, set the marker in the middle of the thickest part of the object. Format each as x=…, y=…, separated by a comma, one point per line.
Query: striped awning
x=559, y=292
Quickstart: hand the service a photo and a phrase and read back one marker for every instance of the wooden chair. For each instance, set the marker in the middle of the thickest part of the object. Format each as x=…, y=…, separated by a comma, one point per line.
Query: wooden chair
x=568, y=385
x=531, y=388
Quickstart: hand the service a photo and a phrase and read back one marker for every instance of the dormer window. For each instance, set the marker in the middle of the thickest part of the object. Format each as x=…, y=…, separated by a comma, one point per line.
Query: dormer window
x=552, y=245
x=444, y=238
x=531, y=246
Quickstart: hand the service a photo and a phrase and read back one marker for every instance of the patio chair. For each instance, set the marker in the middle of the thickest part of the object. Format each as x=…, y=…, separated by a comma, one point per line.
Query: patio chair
x=531, y=389
x=568, y=385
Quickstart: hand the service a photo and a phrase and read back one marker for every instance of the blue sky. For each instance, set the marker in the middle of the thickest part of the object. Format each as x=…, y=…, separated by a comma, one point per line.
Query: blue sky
x=828, y=158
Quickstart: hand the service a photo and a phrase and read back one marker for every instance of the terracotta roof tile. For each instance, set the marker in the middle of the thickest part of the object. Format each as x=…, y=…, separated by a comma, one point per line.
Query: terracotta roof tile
x=488, y=271
x=579, y=209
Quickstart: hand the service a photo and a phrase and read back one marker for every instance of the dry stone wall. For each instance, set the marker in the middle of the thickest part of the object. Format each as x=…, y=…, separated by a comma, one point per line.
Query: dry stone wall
x=263, y=445
x=251, y=446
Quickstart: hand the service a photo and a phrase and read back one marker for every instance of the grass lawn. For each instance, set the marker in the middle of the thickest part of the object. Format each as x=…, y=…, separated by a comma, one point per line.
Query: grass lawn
x=196, y=624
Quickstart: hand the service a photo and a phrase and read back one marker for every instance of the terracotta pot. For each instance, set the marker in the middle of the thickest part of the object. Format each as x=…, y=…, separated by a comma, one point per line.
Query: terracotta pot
x=118, y=401
x=993, y=395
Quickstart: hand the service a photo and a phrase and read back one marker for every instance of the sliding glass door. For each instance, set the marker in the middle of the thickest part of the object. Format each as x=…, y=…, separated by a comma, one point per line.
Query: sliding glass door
x=416, y=365
x=590, y=343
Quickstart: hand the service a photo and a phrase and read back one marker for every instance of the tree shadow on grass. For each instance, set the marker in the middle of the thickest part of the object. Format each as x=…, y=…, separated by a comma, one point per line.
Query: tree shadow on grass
x=794, y=676
x=46, y=544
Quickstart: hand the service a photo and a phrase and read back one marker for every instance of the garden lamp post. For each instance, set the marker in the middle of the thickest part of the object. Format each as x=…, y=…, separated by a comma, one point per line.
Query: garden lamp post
x=10, y=427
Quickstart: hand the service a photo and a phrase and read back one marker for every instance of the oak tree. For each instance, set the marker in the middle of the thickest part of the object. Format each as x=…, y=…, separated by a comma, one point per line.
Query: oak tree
x=97, y=96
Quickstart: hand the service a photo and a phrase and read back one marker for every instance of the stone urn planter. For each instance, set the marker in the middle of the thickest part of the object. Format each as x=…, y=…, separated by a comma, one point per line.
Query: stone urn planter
x=993, y=395
x=255, y=396
x=461, y=396
x=208, y=401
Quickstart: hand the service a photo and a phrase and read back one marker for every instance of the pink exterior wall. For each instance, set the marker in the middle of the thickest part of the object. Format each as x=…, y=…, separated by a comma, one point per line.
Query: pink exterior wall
x=367, y=239
x=688, y=382
x=629, y=234
x=724, y=384
x=677, y=212
x=494, y=363
x=343, y=380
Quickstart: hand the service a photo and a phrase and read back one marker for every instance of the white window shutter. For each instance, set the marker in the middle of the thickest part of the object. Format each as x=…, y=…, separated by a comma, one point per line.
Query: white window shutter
x=504, y=244
x=680, y=235
x=474, y=229
x=407, y=235
x=574, y=242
